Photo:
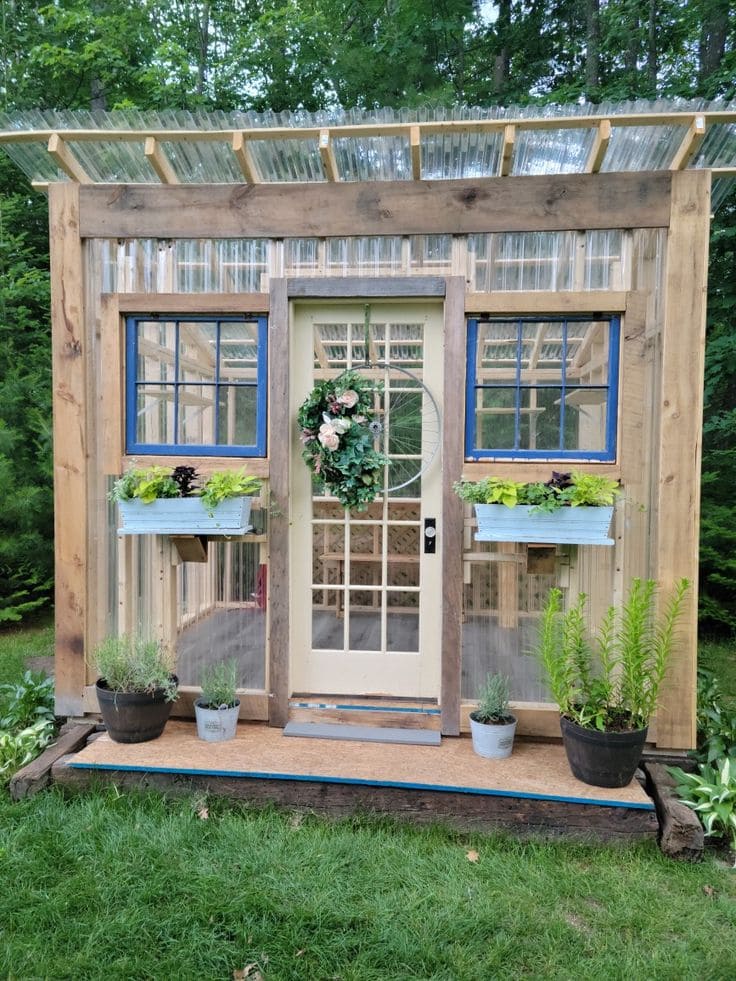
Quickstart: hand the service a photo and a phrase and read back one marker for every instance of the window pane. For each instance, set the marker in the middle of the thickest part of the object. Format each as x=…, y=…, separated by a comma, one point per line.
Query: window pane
x=236, y=423
x=154, y=414
x=585, y=419
x=197, y=347
x=239, y=352
x=496, y=418
x=156, y=341
x=196, y=424
x=540, y=419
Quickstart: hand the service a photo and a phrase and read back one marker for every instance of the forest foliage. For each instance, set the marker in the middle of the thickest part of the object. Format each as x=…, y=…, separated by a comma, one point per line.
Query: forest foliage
x=272, y=55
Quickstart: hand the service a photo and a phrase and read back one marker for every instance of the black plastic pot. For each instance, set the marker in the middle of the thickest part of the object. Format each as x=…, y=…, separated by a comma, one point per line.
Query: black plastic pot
x=602, y=759
x=133, y=717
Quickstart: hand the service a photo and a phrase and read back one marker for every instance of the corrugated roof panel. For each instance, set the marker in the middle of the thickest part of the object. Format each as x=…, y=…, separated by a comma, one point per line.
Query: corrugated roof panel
x=197, y=162
x=114, y=162
x=287, y=160
x=376, y=158
x=557, y=151
x=642, y=147
x=448, y=156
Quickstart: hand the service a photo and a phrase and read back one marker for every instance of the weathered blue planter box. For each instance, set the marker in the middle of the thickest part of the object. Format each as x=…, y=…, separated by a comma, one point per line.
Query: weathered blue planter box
x=572, y=526
x=184, y=516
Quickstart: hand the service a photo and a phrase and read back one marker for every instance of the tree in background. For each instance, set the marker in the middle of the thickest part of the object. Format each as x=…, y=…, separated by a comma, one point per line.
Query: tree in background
x=271, y=55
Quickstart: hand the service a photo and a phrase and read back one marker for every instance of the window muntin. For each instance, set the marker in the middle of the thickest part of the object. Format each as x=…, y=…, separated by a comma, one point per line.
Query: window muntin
x=196, y=381
x=542, y=388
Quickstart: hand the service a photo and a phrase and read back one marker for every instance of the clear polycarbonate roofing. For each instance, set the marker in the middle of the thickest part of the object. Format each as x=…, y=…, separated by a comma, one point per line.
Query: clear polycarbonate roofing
x=385, y=144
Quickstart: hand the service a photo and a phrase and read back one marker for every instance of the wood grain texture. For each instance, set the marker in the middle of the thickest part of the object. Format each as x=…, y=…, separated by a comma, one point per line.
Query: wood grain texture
x=453, y=427
x=69, y=357
x=578, y=301
x=571, y=201
x=681, y=414
x=681, y=833
x=110, y=390
x=345, y=287
x=279, y=428
x=192, y=302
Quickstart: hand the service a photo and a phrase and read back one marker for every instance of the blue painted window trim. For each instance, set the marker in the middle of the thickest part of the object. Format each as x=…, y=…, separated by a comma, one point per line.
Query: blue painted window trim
x=194, y=449
x=471, y=386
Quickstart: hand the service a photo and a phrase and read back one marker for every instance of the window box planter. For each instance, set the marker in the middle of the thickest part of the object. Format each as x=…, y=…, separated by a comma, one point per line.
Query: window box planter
x=523, y=523
x=185, y=516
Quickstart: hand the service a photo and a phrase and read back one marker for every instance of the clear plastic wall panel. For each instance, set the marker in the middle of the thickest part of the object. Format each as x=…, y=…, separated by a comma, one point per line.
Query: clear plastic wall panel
x=430, y=255
x=222, y=613
x=116, y=161
x=142, y=266
x=521, y=261
x=374, y=255
x=287, y=160
x=304, y=257
x=378, y=158
x=501, y=613
x=221, y=266
x=551, y=151
x=604, y=260
x=461, y=155
x=202, y=162
x=642, y=147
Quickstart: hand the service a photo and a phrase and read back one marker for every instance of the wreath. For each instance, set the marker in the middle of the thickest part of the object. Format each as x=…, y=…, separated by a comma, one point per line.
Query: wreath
x=338, y=429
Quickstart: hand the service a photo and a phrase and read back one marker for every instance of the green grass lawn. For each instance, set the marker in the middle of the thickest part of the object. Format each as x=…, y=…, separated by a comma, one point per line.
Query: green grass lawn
x=719, y=656
x=17, y=644
x=108, y=886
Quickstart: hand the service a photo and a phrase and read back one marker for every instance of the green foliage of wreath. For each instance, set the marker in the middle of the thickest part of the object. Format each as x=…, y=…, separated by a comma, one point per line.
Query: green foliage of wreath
x=339, y=444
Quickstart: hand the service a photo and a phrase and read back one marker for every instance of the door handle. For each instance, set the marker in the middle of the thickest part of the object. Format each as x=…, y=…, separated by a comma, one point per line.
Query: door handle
x=430, y=536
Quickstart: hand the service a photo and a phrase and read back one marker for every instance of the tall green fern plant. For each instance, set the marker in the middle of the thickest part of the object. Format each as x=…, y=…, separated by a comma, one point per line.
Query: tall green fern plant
x=610, y=681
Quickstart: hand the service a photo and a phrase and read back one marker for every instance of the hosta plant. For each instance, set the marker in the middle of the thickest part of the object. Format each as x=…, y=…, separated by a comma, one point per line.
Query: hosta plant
x=711, y=793
x=19, y=748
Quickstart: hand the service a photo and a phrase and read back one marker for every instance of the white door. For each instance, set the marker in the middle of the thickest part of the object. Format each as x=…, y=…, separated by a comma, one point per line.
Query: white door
x=366, y=591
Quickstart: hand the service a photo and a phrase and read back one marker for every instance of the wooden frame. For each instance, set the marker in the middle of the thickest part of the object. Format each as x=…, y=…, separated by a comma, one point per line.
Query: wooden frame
x=661, y=369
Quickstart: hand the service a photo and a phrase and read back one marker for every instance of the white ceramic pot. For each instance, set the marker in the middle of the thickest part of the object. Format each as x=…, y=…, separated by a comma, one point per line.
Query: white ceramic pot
x=216, y=725
x=494, y=742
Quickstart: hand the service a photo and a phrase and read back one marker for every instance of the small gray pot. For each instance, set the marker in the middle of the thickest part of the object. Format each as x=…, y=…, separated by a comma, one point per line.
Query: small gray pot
x=494, y=742
x=216, y=725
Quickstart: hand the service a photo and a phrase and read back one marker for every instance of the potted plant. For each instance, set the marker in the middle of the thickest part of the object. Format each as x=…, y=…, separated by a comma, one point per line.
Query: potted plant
x=160, y=501
x=492, y=725
x=570, y=508
x=217, y=708
x=607, y=687
x=136, y=687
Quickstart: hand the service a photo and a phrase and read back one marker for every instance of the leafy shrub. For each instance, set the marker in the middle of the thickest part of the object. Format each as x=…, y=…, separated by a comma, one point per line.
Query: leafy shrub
x=27, y=701
x=712, y=795
x=153, y=483
x=19, y=748
x=561, y=490
x=716, y=723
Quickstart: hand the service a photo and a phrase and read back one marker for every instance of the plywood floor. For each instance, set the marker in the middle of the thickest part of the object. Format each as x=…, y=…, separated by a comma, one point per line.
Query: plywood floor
x=535, y=770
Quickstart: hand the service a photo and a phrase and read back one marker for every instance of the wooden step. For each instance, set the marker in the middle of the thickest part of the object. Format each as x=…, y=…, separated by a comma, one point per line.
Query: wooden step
x=366, y=734
x=363, y=713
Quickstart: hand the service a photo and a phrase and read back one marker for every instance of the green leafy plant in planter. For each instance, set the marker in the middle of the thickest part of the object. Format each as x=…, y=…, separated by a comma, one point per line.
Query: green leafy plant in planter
x=216, y=710
x=136, y=687
x=181, y=502
x=607, y=687
x=572, y=508
x=492, y=724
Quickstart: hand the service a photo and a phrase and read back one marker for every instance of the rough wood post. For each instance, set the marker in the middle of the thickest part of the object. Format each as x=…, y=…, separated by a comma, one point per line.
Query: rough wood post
x=69, y=355
x=680, y=443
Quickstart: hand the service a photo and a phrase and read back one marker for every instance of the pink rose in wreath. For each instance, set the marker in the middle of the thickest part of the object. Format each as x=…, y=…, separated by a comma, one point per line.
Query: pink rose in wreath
x=328, y=436
x=349, y=398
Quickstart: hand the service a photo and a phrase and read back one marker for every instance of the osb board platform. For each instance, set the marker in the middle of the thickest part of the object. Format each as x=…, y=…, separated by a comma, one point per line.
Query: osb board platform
x=534, y=771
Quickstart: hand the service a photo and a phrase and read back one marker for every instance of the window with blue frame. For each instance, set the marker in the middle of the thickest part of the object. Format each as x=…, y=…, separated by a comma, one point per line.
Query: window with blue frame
x=542, y=388
x=196, y=385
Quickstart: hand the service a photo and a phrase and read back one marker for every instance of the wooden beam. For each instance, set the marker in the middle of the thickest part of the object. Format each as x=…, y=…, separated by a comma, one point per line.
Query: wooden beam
x=569, y=201
x=333, y=287
x=681, y=413
x=599, y=148
x=111, y=387
x=254, y=466
x=327, y=155
x=243, y=155
x=452, y=508
x=279, y=427
x=690, y=143
x=245, y=303
x=507, y=151
x=415, y=144
x=593, y=301
x=155, y=155
x=69, y=356
x=64, y=159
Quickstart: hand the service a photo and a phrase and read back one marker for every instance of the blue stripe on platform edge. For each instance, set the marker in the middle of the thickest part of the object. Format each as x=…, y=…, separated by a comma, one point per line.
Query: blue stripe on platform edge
x=255, y=775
